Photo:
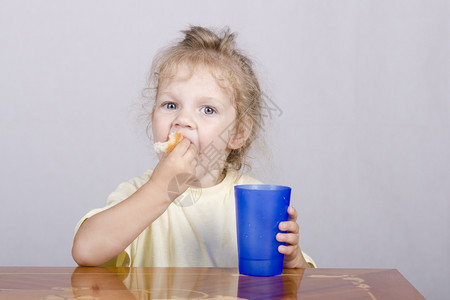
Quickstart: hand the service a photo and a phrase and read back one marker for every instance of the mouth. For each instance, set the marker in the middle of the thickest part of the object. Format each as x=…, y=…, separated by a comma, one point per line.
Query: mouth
x=189, y=135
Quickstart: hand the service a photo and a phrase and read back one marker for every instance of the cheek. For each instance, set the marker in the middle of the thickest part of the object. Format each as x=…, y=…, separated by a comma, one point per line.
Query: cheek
x=159, y=131
x=161, y=120
x=213, y=139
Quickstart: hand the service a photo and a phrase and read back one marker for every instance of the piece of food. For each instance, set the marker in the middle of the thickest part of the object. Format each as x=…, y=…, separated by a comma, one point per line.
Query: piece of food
x=174, y=139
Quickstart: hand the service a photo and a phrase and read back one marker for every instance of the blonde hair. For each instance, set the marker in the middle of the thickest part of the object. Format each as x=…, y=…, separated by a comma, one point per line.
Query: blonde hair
x=231, y=69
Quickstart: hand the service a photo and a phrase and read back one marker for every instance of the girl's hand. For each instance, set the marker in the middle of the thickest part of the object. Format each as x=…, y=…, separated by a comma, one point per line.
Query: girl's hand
x=176, y=170
x=293, y=255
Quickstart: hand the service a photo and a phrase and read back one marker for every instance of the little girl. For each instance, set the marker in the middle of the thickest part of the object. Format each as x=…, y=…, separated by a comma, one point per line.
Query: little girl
x=181, y=214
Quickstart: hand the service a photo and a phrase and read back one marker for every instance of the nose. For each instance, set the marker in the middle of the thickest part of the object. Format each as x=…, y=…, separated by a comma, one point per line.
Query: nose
x=184, y=119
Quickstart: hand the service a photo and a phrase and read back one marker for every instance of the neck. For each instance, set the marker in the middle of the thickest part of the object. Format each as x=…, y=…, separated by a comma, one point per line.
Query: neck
x=211, y=178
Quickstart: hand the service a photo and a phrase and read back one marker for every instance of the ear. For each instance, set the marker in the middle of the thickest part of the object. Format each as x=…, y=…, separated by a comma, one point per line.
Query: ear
x=243, y=131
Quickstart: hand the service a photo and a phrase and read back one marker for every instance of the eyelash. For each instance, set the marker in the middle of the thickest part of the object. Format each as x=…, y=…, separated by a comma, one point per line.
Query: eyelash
x=211, y=109
x=166, y=105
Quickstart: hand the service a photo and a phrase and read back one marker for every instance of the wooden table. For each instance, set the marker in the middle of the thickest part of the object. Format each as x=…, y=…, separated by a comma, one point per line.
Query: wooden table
x=201, y=283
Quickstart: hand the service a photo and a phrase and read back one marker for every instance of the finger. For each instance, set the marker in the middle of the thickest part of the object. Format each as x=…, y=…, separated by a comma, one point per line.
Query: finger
x=181, y=147
x=290, y=226
x=191, y=151
x=287, y=250
x=292, y=212
x=289, y=238
x=194, y=161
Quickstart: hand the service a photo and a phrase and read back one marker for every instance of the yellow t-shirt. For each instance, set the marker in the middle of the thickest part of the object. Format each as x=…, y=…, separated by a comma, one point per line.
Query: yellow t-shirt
x=197, y=230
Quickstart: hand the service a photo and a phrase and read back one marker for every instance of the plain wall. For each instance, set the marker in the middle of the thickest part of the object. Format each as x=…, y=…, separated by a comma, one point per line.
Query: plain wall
x=360, y=129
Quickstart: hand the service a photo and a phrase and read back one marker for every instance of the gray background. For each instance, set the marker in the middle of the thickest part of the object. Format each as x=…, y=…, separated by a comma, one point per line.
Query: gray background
x=363, y=135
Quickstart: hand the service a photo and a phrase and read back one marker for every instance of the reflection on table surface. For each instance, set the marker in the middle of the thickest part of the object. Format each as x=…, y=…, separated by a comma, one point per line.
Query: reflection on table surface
x=200, y=283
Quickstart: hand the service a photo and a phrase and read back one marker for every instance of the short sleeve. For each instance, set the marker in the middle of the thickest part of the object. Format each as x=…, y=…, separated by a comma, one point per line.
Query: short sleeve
x=122, y=192
x=126, y=189
x=121, y=260
x=309, y=260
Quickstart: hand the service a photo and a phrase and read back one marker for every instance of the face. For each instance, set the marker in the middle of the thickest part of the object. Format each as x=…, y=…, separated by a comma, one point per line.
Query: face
x=202, y=111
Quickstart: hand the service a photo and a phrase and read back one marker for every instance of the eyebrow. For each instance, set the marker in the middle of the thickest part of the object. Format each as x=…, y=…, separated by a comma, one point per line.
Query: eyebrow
x=201, y=98
x=167, y=93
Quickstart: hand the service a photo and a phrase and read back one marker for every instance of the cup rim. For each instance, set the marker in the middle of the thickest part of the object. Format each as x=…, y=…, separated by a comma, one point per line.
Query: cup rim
x=261, y=187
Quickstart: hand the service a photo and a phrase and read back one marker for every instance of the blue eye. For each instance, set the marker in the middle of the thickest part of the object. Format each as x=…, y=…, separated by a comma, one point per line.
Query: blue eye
x=170, y=105
x=207, y=110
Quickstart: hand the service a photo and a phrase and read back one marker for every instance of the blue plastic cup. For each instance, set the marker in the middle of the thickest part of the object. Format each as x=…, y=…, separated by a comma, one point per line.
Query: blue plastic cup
x=259, y=210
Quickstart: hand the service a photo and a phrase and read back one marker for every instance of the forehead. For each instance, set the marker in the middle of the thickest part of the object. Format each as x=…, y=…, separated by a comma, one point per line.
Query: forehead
x=185, y=71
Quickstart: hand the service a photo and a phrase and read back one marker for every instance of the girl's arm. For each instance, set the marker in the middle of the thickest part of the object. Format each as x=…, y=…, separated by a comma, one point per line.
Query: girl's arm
x=106, y=234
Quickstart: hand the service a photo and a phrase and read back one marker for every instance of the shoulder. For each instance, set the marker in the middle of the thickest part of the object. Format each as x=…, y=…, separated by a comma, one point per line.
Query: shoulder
x=122, y=192
x=240, y=178
x=126, y=189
